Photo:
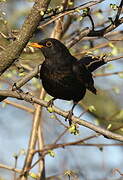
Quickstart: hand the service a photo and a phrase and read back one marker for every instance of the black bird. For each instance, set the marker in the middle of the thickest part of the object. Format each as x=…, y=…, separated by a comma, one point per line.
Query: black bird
x=62, y=75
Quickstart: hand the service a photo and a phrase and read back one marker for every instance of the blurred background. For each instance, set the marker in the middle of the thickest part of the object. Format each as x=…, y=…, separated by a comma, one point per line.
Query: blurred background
x=92, y=162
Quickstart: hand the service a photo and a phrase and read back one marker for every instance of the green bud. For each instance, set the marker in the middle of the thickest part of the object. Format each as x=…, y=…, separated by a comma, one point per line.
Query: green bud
x=33, y=175
x=91, y=108
x=50, y=109
x=51, y=153
x=114, y=7
x=73, y=129
x=41, y=13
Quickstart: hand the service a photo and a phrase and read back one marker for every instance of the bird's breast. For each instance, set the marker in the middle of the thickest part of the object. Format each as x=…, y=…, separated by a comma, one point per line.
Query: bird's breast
x=54, y=73
x=61, y=83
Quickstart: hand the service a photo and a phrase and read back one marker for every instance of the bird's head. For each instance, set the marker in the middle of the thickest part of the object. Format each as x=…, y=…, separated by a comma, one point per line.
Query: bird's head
x=51, y=47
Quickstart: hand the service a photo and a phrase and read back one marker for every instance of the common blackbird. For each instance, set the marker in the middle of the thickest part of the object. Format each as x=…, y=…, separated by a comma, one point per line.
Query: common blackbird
x=62, y=75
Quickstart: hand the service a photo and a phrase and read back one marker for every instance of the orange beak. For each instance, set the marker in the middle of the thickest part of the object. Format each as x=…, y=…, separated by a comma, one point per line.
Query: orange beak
x=36, y=45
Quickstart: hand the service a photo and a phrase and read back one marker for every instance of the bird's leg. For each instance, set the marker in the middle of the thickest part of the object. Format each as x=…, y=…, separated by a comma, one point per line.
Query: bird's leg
x=71, y=113
x=50, y=103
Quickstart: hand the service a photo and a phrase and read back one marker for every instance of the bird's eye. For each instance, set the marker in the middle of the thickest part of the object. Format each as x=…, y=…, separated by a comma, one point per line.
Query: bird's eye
x=49, y=44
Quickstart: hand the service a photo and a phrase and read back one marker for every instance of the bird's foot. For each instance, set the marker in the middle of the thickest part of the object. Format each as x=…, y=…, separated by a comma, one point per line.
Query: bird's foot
x=70, y=113
x=16, y=88
x=50, y=103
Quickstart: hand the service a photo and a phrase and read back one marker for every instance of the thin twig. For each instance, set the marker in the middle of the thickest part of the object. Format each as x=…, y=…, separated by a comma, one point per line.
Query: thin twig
x=26, y=78
x=40, y=135
x=10, y=168
x=119, y=11
x=70, y=11
x=20, y=106
x=107, y=74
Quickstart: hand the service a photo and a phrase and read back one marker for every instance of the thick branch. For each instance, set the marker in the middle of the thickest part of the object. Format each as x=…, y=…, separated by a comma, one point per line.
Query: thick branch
x=13, y=51
x=31, y=99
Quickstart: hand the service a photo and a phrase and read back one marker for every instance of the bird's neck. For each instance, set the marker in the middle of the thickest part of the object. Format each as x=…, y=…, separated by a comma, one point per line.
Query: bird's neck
x=59, y=60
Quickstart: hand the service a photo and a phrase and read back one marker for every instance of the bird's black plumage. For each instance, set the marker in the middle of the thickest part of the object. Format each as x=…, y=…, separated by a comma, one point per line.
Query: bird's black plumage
x=62, y=75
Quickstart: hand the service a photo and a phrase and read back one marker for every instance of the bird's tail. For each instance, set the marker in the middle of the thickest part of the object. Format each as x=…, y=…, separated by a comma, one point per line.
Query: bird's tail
x=92, y=63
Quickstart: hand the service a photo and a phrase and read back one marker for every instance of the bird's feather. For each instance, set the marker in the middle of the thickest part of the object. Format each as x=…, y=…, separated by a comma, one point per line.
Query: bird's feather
x=92, y=63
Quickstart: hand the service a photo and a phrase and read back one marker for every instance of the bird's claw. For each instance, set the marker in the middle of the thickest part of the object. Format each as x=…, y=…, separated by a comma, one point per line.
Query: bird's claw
x=70, y=113
x=50, y=103
x=15, y=88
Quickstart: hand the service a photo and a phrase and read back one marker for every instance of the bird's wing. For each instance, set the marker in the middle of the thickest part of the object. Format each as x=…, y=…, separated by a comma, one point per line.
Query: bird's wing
x=92, y=63
x=84, y=76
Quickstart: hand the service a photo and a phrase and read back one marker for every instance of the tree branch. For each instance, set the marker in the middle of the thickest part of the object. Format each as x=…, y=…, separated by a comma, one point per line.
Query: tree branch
x=112, y=26
x=119, y=11
x=13, y=51
x=69, y=11
x=31, y=99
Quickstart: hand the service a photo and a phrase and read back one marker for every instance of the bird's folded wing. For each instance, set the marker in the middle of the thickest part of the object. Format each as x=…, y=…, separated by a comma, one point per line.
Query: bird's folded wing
x=92, y=63
x=84, y=76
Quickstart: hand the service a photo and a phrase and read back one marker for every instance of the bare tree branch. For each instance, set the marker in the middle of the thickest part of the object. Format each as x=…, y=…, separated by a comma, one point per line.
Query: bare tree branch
x=32, y=99
x=13, y=51
x=112, y=26
x=69, y=11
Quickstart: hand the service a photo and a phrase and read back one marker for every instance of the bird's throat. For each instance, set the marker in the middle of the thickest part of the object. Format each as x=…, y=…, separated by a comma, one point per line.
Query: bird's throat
x=58, y=60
